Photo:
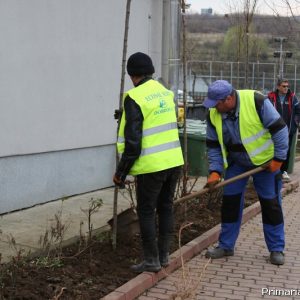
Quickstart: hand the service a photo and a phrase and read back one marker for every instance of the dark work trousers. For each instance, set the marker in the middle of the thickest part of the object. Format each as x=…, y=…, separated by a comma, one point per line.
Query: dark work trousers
x=155, y=192
x=268, y=187
x=285, y=164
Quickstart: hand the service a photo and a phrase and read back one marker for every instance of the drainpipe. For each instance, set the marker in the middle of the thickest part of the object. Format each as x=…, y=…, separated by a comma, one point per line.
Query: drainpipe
x=171, y=44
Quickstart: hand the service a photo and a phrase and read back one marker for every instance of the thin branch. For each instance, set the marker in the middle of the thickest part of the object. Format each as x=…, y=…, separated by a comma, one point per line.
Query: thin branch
x=181, y=256
x=115, y=208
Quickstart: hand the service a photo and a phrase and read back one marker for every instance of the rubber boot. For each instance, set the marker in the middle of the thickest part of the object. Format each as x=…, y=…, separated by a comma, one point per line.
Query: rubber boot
x=277, y=258
x=163, y=250
x=151, y=260
x=218, y=252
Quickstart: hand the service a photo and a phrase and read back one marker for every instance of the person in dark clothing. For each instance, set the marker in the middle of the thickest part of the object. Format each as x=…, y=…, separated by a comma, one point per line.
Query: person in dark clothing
x=149, y=146
x=287, y=104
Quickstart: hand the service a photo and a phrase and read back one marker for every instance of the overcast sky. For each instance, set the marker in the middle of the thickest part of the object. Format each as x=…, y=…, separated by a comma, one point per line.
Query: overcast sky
x=264, y=6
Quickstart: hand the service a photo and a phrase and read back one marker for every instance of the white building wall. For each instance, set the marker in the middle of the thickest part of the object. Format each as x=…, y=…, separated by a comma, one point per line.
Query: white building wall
x=60, y=63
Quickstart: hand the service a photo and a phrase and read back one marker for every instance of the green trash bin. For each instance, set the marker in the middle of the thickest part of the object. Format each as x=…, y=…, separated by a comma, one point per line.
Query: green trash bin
x=293, y=148
x=196, y=147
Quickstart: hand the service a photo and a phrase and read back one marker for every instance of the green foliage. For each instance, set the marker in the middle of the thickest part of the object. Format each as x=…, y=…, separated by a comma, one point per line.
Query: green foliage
x=205, y=31
x=234, y=45
x=48, y=262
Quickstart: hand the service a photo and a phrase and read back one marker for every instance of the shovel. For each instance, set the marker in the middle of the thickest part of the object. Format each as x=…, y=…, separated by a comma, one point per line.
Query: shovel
x=222, y=183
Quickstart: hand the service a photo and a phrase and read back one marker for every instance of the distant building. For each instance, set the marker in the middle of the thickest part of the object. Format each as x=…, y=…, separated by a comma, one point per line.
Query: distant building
x=206, y=11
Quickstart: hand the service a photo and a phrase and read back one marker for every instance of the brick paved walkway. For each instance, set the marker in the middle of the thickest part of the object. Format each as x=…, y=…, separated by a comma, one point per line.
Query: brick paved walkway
x=248, y=272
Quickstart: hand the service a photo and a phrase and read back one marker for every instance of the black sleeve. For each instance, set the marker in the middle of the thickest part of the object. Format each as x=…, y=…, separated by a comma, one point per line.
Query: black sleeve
x=133, y=137
x=259, y=102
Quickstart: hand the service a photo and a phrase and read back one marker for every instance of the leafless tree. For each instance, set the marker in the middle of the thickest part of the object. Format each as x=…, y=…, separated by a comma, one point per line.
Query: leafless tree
x=125, y=41
x=241, y=14
x=184, y=69
x=283, y=7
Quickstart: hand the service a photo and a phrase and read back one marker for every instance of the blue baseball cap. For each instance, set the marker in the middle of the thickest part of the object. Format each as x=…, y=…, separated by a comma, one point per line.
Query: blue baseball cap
x=218, y=90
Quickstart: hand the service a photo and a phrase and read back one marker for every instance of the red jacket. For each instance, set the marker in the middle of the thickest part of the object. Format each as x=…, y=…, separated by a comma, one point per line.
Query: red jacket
x=289, y=110
x=274, y=97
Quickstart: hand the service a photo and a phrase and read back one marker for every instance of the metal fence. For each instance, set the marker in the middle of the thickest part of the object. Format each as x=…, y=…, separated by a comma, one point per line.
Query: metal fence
x=258, y=76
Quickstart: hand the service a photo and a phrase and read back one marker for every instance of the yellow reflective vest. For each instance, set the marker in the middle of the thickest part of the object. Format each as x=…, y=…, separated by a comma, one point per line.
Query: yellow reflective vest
x=161, y=148
x=255, y=138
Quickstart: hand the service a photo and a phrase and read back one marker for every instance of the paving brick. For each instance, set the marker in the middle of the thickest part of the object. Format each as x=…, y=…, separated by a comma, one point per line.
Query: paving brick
x=265, y=282
x=240, y=293
x=160, y=290
x=225, y=282
x=265, y=273
x=211, y=285
x=247, y=282
x=214, y=291
x=167, y=287
x=157, y=295
x=242, y=289
x=209, y=297
x=229, y=296
x=293, y=283
x=204, y=294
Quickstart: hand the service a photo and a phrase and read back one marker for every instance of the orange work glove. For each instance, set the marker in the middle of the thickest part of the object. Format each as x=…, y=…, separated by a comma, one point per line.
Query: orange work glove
x=274, y=165
x=213, y=179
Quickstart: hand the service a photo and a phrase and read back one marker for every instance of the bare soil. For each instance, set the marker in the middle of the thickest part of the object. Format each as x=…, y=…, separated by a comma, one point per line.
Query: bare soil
x=95, y=271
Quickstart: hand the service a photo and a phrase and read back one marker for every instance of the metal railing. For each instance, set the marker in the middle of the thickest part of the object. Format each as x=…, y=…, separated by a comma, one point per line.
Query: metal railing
x=260, y=76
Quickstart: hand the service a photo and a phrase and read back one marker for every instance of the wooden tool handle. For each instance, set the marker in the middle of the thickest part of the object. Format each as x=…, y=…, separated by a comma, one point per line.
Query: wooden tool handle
x=222, y=183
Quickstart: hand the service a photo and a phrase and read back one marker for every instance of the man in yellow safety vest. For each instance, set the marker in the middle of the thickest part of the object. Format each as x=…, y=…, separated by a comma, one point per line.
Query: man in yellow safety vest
x=150, y=149
x=244, y=130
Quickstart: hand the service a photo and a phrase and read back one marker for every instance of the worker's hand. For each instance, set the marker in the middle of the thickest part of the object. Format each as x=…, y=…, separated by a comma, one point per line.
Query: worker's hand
x=119, y=182
x=213, y=179
x=274, y=165
x=118, y=114
x=180, y=124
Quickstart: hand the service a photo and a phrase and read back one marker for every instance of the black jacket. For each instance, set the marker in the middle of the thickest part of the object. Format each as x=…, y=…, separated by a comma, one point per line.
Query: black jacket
x=290, y=110
x=133, y=133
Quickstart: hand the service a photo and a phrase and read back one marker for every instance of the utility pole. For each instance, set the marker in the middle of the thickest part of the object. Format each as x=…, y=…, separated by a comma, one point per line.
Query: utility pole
x=280, y=54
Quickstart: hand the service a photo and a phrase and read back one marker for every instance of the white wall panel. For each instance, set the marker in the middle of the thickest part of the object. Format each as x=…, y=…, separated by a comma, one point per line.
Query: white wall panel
x=60, y=70
x=60, y=63
x=28, y=180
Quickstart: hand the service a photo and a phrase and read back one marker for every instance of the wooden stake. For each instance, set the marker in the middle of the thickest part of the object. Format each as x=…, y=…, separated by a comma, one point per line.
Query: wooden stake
x=115, y=209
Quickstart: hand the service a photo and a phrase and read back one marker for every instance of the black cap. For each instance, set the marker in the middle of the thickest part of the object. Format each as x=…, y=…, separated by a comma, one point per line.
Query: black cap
x=140, y=64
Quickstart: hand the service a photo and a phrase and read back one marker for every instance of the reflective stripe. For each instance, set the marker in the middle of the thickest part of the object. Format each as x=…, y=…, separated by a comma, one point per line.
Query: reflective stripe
x=224, y=155
x=254, y=137
x=153, y=130
x=159, y=148
x=160, y=128
x=261, y=149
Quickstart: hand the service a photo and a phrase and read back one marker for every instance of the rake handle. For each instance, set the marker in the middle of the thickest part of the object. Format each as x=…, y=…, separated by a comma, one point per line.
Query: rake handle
x=220, y=184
